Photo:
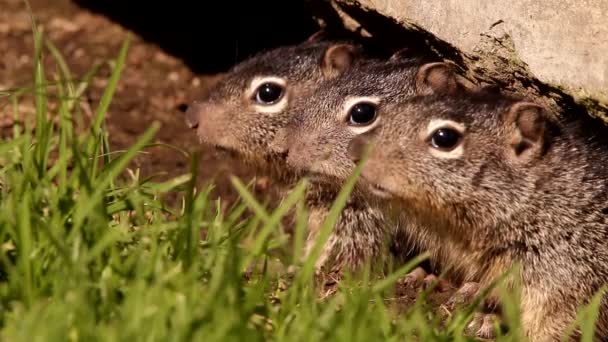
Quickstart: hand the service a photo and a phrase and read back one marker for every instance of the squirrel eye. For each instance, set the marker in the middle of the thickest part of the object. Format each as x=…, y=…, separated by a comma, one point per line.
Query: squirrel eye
x=268, y=93
x=445, y=139
x=361, y=114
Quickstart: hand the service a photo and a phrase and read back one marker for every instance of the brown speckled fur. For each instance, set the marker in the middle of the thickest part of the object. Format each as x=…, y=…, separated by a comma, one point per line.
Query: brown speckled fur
x=540, y=201
x=228, y=119
x=317, y=136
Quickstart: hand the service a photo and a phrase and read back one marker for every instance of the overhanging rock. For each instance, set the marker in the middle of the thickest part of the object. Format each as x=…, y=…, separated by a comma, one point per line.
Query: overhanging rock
x=554, y=51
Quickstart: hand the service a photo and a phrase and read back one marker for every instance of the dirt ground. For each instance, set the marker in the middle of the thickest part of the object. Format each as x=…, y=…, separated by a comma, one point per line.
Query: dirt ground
x=156, y=85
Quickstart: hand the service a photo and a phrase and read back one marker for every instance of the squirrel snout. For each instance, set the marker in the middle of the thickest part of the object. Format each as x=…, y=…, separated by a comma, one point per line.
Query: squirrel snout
x=356, y=148
x=193, y=114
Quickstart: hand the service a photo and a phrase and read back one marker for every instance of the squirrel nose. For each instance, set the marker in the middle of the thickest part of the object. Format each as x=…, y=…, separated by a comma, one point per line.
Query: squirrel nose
x=357, y=146
x=193, y=114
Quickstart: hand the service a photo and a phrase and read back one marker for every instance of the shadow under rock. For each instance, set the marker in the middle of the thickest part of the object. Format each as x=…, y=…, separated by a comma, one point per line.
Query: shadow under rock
x=211, y=36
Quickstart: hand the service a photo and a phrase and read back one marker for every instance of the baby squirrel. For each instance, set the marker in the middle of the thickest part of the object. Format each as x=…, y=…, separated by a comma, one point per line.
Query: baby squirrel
x=244, y=111
x=322, y=125
x=495, y=181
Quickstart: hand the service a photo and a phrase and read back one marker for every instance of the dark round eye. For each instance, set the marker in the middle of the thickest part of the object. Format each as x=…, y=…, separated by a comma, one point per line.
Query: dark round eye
x=268, y=93
x=445, y=139
x=362, y=114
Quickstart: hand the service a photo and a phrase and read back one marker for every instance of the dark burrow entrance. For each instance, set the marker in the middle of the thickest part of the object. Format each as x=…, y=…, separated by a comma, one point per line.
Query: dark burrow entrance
x=210, y=36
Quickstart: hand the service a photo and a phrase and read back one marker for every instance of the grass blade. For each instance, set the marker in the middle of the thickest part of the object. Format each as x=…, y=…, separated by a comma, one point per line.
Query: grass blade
x=102, y=184
x=106, y=98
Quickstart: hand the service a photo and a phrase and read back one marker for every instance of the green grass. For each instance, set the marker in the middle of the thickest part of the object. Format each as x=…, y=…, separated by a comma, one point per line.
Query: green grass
x=91, y=252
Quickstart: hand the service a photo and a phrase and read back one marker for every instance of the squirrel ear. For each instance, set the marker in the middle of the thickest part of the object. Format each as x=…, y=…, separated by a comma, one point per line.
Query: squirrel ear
x=527, y=123
x=435, y=78
x=338, y=58
x=317, y=36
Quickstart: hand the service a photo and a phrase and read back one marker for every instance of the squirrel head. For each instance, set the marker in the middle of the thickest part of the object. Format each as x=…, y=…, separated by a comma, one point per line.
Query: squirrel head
x=252, y=101
x=442, y=153
x=323, y=123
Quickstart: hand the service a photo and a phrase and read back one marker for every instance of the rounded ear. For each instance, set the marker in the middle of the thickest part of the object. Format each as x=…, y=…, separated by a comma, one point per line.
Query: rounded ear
x=436, y=77
x=526, y=123
x=339, y=58
x=317, y=36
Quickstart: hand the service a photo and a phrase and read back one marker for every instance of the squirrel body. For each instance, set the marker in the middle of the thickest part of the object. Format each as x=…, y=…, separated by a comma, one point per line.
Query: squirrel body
x=496, y=182
x=234, y=116
x=321, y=127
